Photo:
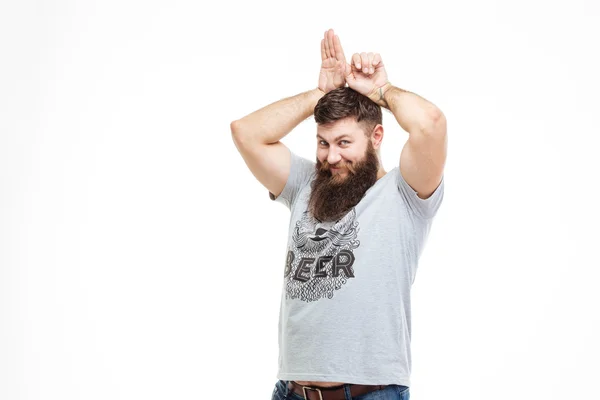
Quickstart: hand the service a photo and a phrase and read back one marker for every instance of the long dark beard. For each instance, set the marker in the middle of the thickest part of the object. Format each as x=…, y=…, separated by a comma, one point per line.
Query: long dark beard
x=332, y=197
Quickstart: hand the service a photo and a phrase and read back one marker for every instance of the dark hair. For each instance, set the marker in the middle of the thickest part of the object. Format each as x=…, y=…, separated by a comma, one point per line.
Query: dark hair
x=345, y=102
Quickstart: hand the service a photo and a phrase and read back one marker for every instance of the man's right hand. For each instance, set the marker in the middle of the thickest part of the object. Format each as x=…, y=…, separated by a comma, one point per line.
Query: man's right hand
x=333, y=63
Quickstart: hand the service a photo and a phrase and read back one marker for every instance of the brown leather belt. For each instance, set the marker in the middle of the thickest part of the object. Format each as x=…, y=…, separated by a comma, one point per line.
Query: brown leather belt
x=331, y=393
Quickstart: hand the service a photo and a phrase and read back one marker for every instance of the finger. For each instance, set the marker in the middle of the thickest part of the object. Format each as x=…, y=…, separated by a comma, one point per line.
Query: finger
x=364, y=59
x=377, y=62
x=330, y=41
x=356, y=60
x=327, y=52
x=371, y=68
x=323, y=52
x=339, y=52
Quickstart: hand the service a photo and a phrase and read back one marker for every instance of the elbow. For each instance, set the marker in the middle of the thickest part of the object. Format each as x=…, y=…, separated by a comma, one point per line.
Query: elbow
x=234, y=126
x=236, y=130
x=241, y=135
x=435, y=123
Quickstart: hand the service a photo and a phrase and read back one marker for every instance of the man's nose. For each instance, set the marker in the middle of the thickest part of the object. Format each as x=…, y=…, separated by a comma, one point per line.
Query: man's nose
x=333, y=157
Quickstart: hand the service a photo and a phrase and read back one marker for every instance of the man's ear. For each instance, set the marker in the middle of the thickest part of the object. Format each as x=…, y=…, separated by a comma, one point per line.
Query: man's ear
x=377, y=136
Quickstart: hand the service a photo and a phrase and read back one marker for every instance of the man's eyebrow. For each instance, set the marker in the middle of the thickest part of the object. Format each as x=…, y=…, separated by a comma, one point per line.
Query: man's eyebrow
x=337, y=138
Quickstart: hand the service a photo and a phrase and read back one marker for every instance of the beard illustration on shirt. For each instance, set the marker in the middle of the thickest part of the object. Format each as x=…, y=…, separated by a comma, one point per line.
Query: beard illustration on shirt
x=321, y=258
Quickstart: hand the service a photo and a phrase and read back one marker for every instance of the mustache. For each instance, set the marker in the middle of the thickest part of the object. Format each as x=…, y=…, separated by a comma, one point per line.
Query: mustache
x=326, y=167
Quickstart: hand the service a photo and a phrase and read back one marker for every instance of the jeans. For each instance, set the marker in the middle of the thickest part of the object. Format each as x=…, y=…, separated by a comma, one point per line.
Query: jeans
x=390, y=392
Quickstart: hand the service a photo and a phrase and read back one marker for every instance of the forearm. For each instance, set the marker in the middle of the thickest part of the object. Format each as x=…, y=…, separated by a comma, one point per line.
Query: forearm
x=413, y=113
x=273, y=122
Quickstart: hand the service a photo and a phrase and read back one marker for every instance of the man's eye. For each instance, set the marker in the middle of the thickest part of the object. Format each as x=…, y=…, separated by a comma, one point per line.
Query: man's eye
x=345, y=141
x=323, y=143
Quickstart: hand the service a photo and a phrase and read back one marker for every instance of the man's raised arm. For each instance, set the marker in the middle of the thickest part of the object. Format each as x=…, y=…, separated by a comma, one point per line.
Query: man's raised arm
x=257, y=136
x=423, y=156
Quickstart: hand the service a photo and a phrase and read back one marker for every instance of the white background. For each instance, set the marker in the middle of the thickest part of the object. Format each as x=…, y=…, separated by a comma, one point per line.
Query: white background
x=140, y=259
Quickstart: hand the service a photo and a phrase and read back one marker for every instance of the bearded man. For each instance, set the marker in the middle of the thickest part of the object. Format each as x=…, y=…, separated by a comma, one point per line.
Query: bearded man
x=356, y=231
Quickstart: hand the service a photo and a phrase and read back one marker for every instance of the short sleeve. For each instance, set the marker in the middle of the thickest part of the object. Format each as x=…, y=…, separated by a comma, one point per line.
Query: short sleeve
x=301, y=174
x=424, y=208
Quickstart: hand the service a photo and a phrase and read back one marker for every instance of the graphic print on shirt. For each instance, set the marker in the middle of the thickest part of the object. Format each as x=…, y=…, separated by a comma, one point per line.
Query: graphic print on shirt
x=321, y=258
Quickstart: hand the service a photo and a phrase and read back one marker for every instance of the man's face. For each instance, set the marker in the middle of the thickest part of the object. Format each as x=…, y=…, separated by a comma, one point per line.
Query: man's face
x=346, y=168
x=340, y=146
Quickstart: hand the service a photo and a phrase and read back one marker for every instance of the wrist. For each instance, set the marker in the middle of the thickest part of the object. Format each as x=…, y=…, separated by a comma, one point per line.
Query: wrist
x=377, y=95
x=314, y=96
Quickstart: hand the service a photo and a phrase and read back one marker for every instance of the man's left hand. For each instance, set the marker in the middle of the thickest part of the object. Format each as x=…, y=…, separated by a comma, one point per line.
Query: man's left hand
x=366, y=74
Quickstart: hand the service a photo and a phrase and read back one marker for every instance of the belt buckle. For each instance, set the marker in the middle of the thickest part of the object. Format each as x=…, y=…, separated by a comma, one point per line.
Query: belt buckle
x=311, y=388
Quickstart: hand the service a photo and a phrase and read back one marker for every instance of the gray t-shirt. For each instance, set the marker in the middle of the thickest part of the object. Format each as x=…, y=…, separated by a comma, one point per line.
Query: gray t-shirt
x=345, y=304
